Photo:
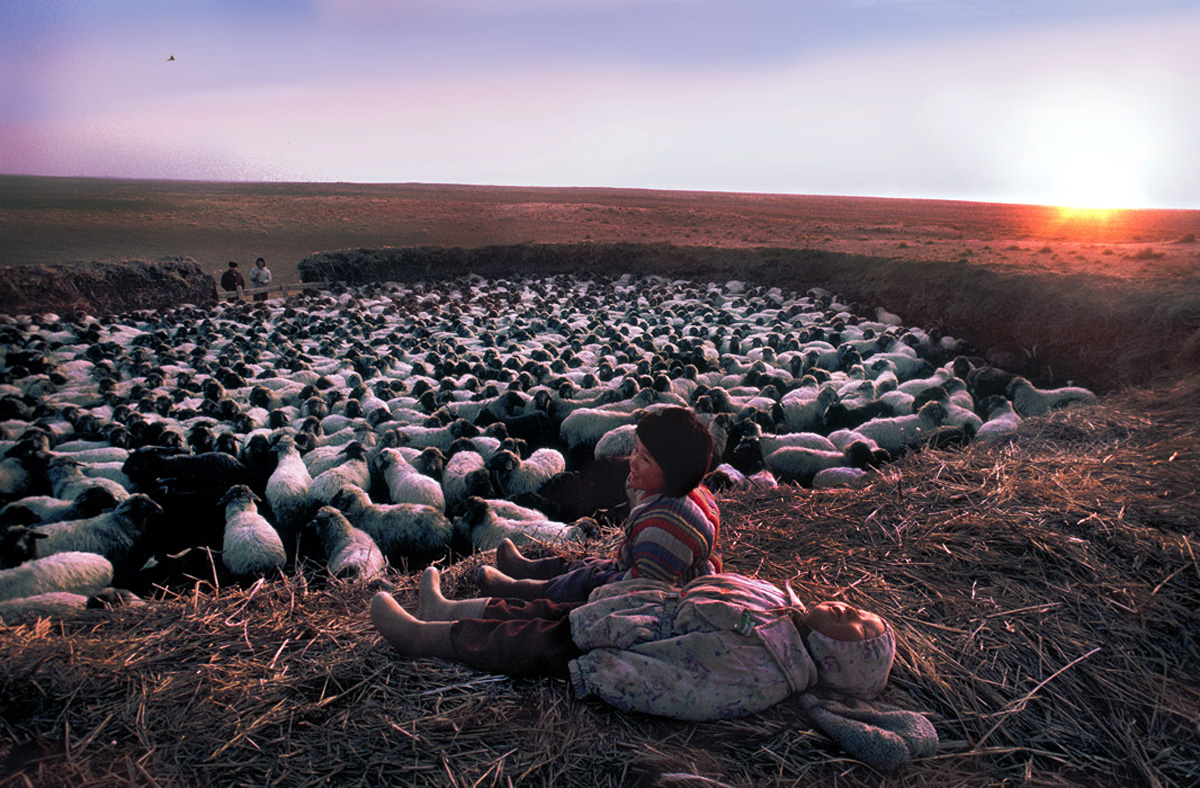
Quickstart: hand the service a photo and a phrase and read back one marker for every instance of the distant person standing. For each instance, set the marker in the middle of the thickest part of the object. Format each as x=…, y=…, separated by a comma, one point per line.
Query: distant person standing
x=260, y=276
x=231, y=280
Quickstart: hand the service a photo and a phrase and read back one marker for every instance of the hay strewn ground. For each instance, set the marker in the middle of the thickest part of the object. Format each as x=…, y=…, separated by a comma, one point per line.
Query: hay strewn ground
x=1045, y=593
x=1045, y=596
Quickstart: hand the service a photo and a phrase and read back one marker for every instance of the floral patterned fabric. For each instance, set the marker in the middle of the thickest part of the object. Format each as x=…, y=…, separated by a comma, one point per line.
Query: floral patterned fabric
x=723, y=646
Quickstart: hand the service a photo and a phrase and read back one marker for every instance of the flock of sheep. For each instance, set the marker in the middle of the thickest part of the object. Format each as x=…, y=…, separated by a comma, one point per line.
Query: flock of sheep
x=395, y=425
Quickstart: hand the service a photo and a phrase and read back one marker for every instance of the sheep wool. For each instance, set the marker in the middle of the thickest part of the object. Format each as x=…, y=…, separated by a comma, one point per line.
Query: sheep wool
x=251, y=545
x=350, y=552
x=409, y=535
x=74, y=571
x=487, y=527
x=1029, y=400
x=287, y=490
x=124, y=536
x=405, y=484
x=53, y=604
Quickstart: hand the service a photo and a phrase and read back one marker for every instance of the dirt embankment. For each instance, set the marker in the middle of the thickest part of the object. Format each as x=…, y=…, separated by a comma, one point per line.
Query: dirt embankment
x=103, y=288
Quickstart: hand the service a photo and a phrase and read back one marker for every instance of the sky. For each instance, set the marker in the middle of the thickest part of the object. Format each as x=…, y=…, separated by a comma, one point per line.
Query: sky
x=1089, y=103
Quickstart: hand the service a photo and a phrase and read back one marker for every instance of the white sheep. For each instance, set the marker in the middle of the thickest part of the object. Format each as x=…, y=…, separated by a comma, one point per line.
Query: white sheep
x=486, y=528
x=619, y=442
x=48, y=509
x=107, y=471
x=1002, y=420
x=405, y=483
x=516, y=475
x=68, y=479
x=762, y=480
x=487, y=445
x=1028, y=400
x=287, y=491
x=125, y=536
x=104, y=453
x=78, y=572
x=916, y=386
x=726, y=477
x=353, y=471
x=251, y=546
x=54, y=604
x=586, y=426
x=321, y=458
x=800, y=464
x=410, y=535
x=904, y=362
x=511, y=510
x=350, y=552
x=771, y=442
x=843, y=476
x=440, y=437
x=843, y=438
x=894, y=434
x=804, y=407
x=465, y=475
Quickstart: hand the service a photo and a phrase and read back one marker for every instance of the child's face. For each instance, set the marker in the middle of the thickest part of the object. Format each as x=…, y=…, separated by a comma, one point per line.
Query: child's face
x=644, y=473
x=843, y=622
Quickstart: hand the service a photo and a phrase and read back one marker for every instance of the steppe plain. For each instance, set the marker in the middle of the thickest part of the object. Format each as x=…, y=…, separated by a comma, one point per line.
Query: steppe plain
x=1044, y=593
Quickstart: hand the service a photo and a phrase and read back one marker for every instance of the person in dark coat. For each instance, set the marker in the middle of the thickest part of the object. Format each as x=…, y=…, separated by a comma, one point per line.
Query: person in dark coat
x=231, y=280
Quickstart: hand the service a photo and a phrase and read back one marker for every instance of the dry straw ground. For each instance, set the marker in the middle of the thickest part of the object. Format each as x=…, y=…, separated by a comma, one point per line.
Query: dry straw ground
x=1045, y=595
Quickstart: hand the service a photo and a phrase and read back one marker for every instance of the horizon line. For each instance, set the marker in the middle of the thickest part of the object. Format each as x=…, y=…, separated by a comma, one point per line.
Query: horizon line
x=648, y=189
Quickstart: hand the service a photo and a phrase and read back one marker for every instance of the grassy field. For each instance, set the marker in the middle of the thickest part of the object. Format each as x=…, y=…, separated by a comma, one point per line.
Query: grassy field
x=1044, y=593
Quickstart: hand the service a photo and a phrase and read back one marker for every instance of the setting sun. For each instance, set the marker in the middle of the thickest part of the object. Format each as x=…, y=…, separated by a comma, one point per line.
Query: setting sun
x=1097, y=168
x=1091, y=147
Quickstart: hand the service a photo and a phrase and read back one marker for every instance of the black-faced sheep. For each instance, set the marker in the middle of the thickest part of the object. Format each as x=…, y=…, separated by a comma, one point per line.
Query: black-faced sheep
x=843, y=476
x=405, y=483
x=286, y=492
x=410, y=535
x=251, y=546
x=352, y=470
x=1028, y=400
x=77, y=572
x=514, y=475
x=349, y=552
x=17, y=545
x=466, y=475
x=898, y=433
x=486, y=528
x=127, y=536
x=51, y=605
x=800, y=464
x=213, y=473
x=1002, y=420
x=804, y=406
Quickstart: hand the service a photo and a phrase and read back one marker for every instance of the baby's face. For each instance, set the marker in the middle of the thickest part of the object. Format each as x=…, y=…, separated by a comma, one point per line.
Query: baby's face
x=843, y=622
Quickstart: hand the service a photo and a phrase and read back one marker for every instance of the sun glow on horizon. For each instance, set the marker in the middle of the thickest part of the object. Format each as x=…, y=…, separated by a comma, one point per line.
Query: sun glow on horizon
x=1090, y=148
x=1073, y=214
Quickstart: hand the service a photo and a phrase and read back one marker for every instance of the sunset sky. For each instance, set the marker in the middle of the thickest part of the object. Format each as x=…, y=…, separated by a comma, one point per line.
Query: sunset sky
x=1063, y=102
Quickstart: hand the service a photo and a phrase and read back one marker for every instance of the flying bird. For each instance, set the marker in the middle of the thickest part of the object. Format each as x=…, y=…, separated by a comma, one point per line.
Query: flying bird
x=172, y=57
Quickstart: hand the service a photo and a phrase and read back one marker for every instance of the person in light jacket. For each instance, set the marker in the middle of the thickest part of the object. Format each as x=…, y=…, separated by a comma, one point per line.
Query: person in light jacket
x=260, y=276
x=722, y=646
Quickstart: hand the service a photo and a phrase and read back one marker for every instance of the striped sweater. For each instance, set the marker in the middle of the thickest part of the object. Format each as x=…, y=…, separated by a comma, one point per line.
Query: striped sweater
x=672, y=539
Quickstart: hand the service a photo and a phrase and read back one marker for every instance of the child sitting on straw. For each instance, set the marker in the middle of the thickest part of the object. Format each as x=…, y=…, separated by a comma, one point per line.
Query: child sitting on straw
x=722, y=646
x=670, y=535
